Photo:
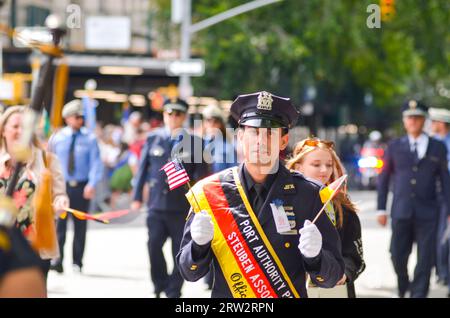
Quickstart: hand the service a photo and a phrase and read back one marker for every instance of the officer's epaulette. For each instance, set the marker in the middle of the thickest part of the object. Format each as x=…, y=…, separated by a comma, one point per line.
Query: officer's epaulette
x=297, y=174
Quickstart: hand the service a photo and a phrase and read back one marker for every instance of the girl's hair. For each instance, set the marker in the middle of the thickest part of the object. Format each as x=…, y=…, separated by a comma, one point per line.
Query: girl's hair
x=308, y=145
x=4, y=120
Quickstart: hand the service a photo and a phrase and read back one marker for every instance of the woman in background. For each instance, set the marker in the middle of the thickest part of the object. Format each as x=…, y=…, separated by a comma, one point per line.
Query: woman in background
x=30, y=177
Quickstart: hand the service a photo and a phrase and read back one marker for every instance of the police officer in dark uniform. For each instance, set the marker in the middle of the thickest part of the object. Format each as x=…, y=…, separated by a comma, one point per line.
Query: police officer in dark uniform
x=268, y=188
x=167, y=210
x=416, y=164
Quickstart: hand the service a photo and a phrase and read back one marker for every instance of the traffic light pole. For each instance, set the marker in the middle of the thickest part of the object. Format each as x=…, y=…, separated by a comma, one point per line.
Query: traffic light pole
x=187, y=29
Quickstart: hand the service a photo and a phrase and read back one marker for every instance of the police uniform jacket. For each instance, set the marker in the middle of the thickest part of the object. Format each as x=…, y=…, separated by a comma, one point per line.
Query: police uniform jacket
x=155, y=154
x=414, y=183
x=298, y=194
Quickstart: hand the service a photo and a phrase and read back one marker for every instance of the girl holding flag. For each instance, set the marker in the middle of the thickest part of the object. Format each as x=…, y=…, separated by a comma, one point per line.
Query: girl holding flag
x=316, y=159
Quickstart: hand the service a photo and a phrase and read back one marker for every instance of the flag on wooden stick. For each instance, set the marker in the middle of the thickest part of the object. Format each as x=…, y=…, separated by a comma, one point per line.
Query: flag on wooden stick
x=329, y=192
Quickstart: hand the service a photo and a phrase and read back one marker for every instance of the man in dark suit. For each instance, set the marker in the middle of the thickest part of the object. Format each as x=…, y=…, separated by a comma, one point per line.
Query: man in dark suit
x=167, y=210
x=262, y=242
x=415, y=163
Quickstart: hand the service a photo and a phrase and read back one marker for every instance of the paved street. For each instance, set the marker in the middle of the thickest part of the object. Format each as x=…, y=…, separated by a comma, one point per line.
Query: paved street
x=116, y=262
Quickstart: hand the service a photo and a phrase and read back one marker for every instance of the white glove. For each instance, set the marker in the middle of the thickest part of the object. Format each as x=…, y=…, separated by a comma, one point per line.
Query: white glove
x=310, y=242
x=202, y=228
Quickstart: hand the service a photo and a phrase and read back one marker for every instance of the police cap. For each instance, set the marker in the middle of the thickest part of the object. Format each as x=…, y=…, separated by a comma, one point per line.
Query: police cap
x=213, y=111
x=413, y=107
x=265, y=110
x=175, y=104
x=440, y=114
x=74, y=107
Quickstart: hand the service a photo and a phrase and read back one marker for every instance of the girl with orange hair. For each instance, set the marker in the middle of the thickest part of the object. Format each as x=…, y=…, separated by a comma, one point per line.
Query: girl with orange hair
x=316, y=159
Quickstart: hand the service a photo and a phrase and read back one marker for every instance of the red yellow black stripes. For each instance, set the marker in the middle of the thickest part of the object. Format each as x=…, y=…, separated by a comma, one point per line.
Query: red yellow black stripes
x=248, y=261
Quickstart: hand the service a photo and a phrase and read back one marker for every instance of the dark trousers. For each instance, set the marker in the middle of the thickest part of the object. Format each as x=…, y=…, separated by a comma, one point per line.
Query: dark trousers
x=442, y=256
x=161, y=226
x=77, y=202
x=404, y=233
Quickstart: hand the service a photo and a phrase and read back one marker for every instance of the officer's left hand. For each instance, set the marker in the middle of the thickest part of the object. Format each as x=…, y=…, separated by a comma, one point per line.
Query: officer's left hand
x=310, y=242
x=202, y=228
x=342, y=281
x=88, y=192
x=60, y=205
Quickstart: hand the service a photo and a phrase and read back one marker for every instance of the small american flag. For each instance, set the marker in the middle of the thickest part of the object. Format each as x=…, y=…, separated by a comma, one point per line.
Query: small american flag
x=176, y=174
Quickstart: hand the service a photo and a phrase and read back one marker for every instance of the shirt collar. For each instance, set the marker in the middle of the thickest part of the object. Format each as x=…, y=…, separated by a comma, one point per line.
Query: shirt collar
x=68, y=131
x=179, y=135
x=420, y=140
x=249, y=182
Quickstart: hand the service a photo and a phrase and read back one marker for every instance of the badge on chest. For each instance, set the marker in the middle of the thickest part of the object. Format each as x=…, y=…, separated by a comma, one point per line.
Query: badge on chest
x=283, y=217
x=157, y=151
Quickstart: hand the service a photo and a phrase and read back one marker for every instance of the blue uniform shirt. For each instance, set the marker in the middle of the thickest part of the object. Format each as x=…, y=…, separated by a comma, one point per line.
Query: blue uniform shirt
x=88, y=165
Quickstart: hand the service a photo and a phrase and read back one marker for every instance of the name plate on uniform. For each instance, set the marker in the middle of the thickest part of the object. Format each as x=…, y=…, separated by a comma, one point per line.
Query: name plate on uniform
x=280, y=217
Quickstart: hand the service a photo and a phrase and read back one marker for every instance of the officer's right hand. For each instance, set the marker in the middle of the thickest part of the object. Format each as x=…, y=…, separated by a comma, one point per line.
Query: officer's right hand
x=202, y=228
x=135, y=205
x=310, y=242
x=382, y=219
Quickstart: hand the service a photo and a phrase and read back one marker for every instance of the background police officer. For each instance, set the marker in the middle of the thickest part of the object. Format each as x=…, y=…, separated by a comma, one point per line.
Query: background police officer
x=415, y=163
x=440, y=128
x=78, y=152
x=265, y=119
x=167, y=210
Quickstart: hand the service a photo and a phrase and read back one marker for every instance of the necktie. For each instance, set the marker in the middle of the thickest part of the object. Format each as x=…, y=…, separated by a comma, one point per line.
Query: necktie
x=416, y=155
x=71, y=165
x=258, y=199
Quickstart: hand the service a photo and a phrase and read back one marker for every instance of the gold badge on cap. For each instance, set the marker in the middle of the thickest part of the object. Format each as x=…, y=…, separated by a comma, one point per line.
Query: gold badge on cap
x=412, y=104
x=264, y=101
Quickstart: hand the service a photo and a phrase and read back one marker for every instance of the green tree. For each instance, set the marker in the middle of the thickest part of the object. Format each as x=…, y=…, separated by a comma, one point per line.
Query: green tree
x=289, y=46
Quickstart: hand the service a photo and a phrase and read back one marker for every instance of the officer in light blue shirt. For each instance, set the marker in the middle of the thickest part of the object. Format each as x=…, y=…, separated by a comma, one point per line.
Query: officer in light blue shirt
x=78, y=151
x=440, y=127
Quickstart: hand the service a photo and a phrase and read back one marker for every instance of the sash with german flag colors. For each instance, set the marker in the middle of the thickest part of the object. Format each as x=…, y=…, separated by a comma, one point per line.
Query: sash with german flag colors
x=248, y=261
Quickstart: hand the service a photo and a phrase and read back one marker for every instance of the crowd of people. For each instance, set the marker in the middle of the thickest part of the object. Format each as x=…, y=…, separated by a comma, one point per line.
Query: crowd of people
x=249, y=223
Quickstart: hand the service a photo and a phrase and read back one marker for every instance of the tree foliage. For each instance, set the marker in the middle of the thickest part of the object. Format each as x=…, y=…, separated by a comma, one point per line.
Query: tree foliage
x=289, y=46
